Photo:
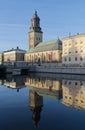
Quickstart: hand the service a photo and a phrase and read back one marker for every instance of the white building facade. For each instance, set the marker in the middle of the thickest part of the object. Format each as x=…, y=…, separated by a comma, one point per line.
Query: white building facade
x=73, y=51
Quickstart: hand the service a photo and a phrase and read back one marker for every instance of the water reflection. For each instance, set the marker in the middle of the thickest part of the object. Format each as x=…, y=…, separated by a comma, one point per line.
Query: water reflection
x=13, y=82
x=70, y=94
x=35, y=103
x=73, y=93
x=45, y=87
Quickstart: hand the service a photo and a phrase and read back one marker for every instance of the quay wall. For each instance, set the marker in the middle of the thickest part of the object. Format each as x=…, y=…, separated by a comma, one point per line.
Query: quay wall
x=61, y=70
x=43, y=68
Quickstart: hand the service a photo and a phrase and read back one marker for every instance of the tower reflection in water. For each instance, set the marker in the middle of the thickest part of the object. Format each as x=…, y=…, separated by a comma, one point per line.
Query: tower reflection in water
x=35, y=103
x=39, y=88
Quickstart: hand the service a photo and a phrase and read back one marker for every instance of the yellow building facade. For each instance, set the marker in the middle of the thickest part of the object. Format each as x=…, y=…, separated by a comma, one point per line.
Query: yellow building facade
x=1, y=58
x=50, y=51
x=13, y=55
x=73, y=50
x=45, y=87
x=54, y=85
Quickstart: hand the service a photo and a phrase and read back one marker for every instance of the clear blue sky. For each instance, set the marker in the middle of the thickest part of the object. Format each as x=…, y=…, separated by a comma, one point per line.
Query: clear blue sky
x=58, y=18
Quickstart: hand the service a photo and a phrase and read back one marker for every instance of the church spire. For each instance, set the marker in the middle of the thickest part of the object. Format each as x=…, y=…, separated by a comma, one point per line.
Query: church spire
x=35, y=23
x=35, y=13
x=35, y=33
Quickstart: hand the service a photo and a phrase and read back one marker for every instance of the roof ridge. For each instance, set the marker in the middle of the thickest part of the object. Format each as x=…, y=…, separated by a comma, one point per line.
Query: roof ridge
x=47, y=42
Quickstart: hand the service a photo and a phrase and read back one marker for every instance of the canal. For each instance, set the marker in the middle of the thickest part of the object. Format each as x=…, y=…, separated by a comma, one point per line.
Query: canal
x=42, y=102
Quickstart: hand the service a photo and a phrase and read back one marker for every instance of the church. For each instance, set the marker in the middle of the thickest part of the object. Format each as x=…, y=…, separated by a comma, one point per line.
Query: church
x=39, y=51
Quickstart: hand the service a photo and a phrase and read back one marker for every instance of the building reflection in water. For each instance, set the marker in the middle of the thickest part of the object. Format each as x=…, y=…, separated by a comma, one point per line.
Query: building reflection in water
x=35, y=103
x=48, y=87
x=14, y=82
x=1, y=82
x=40, y=87
x=74, y=93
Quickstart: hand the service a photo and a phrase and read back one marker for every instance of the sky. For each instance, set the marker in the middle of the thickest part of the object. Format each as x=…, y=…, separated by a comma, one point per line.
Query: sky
x=58, y=18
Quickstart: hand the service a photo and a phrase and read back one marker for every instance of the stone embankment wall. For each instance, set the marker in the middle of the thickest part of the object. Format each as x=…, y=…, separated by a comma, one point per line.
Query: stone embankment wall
x=62, y=70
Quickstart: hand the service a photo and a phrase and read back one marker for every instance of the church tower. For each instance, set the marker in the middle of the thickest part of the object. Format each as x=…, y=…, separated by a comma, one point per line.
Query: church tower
x=35, y=34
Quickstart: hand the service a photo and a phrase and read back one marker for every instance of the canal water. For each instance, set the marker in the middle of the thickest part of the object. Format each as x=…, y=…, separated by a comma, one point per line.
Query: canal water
x=42, y=102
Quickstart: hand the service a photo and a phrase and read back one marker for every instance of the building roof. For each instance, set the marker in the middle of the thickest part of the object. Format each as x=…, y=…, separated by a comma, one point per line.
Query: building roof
x=47, y=46
x=74, y=36
x=46, y=92
x=16, y=49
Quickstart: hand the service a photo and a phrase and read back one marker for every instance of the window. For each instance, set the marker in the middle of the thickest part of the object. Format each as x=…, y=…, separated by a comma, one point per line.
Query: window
x=69, y=44
x=81, y=50
x=81, y=58
x=69, y=58
x=82, y=101
x=81, y=83
x=65, y=96
x=76, y=51
x=75, y=58
x=75, y=83
x=36, y=38
x=69, y=83
x=65, y=82
x=76, y=100
x=65, y=59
